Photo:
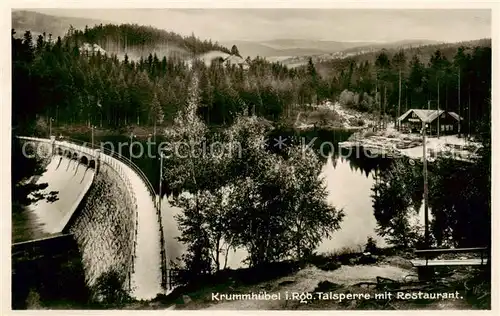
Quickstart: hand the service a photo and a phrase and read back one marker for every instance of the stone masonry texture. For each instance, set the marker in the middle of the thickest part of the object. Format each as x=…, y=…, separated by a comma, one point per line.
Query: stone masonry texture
x=104, y=228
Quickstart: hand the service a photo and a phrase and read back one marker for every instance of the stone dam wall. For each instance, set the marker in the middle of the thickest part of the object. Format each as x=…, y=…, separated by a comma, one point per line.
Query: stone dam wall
x=104, y=227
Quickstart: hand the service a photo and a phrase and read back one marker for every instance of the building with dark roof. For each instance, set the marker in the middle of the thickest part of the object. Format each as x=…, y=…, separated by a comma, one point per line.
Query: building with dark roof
x=444, y=121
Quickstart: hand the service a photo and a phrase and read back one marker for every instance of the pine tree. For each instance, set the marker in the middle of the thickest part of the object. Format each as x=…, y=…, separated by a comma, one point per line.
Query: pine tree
x=399, y=62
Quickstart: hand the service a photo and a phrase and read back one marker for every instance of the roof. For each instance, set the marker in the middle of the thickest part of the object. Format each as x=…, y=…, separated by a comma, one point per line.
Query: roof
x=455, y=116
x=433, y=114
x=423, y=115
x=236, y=60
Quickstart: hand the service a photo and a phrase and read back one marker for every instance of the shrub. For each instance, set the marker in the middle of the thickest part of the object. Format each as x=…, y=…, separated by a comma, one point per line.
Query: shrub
x=346, y=98
x=478, y=289
x=369, y=134
x=371, y=246
x=108, y=288
x=323, y=116
x=325, y=262
x=344, y=251
x=41, y=126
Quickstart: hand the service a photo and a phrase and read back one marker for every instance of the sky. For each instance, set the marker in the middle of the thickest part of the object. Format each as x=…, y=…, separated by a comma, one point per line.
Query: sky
x=367, y=25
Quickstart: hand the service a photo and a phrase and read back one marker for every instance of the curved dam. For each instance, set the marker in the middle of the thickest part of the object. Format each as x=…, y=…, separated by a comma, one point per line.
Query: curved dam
x=146, y=278
x=107, y=208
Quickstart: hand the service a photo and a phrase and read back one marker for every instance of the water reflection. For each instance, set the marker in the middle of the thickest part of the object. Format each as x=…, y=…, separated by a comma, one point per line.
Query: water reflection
x=349, y=187
x=349, y=178
x=325, y=143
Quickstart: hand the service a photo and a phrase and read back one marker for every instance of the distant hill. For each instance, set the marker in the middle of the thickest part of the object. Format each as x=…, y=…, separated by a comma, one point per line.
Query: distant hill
x=253, y=49
x=38, y=23
x=392, y=45
x=370, y=52
x=289, y=47
x=424, y=53
x=135, y=40
x=280, y=48
x=323, y=46
x=140, y=41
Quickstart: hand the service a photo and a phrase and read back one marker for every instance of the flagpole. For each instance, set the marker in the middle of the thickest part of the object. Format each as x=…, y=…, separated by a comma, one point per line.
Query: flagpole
x=438, y=126
x=99, y=105
x=426, y=194
x=459, y=104
x=161, y=176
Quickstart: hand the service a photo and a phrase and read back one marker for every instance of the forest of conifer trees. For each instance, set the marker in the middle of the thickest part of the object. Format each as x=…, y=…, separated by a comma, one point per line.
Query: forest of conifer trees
x=53, y=78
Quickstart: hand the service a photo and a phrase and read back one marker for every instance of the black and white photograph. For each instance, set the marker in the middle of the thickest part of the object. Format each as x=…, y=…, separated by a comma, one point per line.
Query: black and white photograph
x=251, y=158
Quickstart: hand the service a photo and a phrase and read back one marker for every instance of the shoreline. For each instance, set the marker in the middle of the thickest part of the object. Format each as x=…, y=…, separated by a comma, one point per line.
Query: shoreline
x=410, y=146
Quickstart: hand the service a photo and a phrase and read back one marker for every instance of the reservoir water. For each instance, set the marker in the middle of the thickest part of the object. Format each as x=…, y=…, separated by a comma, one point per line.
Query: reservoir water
x=348, y=188
x=67, y=180
x=348, y=180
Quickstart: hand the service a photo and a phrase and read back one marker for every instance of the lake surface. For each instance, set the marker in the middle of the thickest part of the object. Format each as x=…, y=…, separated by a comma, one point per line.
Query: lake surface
x=348, y=188
x=348, y=179
x=67, y=179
